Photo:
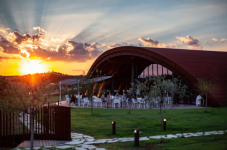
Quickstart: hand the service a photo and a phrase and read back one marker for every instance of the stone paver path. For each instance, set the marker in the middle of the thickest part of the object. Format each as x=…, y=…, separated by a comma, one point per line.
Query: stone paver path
x=85, y=142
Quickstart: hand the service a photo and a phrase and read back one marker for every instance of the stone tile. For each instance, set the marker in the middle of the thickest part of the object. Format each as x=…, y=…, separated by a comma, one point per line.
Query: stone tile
x=206, y=133
x=90, y=140
x=172, y=136
x=111, y=141
x=179, y=135
x=77, y=137
x=63, y=147
x=89, y=146
x=79, y=148
x=100, y=149
x=88, y=143
x=143, y=138
x=157, y=137
x=100, y=140
x=89, y=137
x=74, y=142
x=127, y=138
x=187, y=136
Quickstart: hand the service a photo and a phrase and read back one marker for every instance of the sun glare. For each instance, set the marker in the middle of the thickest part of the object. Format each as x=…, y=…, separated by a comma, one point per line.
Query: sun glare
x=32, y=66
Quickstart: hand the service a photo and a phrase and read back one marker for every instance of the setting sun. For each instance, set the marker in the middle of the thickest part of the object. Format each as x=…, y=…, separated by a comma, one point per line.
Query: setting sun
x=32, y=66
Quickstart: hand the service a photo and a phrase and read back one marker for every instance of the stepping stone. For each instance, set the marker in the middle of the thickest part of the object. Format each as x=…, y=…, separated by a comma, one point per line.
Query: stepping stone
x=207, y=133
x=88, y=143
x=199, y=133
x=195, y=135
x=101, y=141
x=90, y=140
x=143, y=138
x=171, y=136
x=89, y=137
x=179, y=135
x=79, y=148
x=226, y=131
x=74, y=142
x=111, y=141
x=157, y=137
x=220, y=132
x=63, y=147
x=128, y=138
x=78, y=137
x=186, y=136
x=100, y=149
x=89, y=146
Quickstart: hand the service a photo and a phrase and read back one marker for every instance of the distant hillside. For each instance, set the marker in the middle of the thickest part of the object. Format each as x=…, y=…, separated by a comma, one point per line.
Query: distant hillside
x=52, y=77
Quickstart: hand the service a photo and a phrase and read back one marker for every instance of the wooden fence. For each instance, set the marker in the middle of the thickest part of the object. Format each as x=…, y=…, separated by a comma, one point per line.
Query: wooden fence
x=50, y=123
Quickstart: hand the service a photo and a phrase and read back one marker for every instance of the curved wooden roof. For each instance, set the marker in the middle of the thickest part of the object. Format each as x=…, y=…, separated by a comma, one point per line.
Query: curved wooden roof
x=189, y=64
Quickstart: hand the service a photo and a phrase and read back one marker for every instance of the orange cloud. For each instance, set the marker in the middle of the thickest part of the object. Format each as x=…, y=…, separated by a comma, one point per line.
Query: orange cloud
x=153, y=43
x=223, y=40
x=192, y=43
x=215, y=39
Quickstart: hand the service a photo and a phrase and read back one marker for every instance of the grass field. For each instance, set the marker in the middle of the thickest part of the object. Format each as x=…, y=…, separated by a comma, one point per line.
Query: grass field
x=99, y=126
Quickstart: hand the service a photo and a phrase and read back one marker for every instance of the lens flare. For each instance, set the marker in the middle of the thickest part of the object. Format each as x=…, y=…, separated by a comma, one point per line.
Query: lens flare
x=32, y=66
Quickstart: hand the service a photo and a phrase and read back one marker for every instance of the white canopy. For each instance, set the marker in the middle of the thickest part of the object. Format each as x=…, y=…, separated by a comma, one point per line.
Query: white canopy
x=75, y=81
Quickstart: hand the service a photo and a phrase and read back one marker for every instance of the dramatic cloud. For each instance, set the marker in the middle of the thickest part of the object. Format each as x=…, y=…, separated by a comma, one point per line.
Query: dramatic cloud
x=215, y=39
x=39, y=29
x=10, y=50
x=223, y=40
x=114, y=45
x=5, y=57
x=93, y=46
x=23, y=38
x=35, y=46
x=149, y=42
x=4, y=30
x=192, y=43
x=153, y=43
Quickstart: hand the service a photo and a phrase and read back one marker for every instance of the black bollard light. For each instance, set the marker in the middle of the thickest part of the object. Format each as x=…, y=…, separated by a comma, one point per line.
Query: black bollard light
x=113, y=127
x=58, y=103
x=136, y=139
x=164, y=124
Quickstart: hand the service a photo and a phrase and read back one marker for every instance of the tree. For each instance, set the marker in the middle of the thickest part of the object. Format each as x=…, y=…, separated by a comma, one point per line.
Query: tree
x=156, y=86
x=206, y=85
x=26, y=98
x=91, y=86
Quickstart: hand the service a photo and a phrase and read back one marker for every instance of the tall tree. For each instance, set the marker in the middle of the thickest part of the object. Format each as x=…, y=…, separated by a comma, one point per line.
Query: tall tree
x=206, y=85
x=155, y=88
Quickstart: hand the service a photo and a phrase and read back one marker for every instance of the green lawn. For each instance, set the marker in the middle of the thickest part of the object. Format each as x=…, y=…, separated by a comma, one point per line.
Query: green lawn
x=99, y=126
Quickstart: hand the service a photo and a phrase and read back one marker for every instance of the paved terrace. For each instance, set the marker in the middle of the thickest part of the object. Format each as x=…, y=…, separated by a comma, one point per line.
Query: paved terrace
x=124, y=105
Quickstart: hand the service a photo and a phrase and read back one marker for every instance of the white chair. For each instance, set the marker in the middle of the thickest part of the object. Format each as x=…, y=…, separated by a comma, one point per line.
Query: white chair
x=97, y=100
x=198, y=100
x=67, y=99
x=117, y=100
x=124, y=99
x=134, y=102
x=141, y=102
x=85, y=101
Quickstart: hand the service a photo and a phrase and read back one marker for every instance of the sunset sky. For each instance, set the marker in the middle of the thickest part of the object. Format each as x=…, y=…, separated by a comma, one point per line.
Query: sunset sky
x=68, y=35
